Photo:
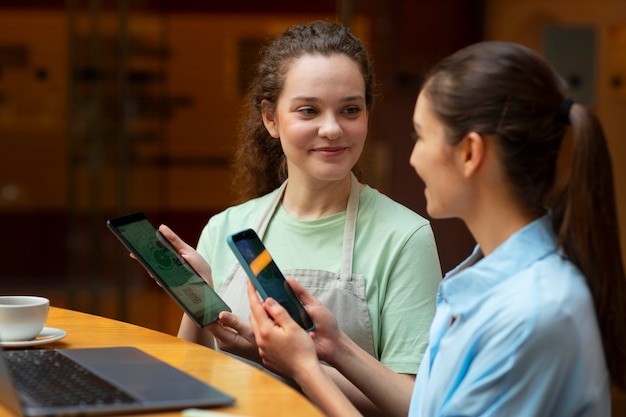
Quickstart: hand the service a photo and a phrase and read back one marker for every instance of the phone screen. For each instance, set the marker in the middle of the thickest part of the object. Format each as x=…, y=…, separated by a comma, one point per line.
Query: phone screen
x=176, y=276
x=265, y=275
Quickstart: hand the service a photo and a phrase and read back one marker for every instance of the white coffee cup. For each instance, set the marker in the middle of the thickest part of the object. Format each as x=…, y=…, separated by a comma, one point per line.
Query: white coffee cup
x=22, y=317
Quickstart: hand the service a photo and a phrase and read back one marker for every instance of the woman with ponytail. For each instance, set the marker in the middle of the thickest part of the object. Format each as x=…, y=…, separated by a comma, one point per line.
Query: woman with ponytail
x=533, y=322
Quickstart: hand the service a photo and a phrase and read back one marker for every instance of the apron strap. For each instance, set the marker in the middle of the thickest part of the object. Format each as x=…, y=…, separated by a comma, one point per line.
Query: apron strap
x=271, y=209
x=349, y=229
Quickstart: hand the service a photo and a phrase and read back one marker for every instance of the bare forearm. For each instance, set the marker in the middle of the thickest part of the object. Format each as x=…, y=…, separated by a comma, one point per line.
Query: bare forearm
x=388, y=390
x=322, y=391
x=356, y=397
x=363, y=403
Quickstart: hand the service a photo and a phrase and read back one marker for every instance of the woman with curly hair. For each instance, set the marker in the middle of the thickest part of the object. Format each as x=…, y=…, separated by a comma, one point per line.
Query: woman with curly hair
x=372, y=261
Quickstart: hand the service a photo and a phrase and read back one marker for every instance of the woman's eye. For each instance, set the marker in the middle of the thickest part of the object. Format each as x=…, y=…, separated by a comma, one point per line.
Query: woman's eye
x=352, y=110
x=414, y=136
x=307, y=111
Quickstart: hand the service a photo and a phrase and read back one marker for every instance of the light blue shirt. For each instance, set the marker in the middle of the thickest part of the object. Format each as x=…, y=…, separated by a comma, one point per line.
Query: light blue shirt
x=514, y=334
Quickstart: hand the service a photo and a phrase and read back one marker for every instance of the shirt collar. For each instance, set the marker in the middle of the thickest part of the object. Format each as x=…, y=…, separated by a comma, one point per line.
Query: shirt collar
x=464, y=286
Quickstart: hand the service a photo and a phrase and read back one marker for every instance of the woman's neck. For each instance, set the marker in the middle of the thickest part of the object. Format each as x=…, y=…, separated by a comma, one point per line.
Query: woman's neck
x=311, y=201
x=494, y=226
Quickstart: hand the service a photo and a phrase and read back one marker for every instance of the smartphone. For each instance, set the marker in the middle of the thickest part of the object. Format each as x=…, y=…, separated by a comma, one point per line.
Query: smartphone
x=154, y=252
x=265, y=275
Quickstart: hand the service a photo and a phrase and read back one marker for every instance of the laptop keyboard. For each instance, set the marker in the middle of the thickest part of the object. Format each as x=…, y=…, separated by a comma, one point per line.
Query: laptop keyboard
x=51, y=379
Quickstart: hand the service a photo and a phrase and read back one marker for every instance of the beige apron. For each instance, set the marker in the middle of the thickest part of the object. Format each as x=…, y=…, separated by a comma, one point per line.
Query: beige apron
x=343, y=294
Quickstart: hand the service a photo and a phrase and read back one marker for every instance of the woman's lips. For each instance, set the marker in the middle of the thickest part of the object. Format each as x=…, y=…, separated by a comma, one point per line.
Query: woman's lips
x=330, y=151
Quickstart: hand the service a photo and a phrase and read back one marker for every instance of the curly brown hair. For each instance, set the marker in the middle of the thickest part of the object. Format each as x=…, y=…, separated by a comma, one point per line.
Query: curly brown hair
x=259, y=162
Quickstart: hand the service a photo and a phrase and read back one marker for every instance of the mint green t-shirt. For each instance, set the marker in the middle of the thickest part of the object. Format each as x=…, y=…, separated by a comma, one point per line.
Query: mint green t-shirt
x=394, y=250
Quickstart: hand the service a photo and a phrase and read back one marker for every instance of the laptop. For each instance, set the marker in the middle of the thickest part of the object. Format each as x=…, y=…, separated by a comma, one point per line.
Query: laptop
x=141, y=383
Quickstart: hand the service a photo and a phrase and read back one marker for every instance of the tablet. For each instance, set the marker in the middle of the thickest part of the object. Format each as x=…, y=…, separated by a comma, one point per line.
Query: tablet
x=192, y=293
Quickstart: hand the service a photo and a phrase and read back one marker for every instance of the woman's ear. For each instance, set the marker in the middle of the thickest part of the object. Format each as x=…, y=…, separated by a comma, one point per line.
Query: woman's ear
x=267, y=112
x=473, y=153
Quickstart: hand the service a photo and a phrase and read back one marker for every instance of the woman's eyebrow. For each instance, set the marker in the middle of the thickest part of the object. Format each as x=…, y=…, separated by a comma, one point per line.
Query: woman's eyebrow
x=315, y=99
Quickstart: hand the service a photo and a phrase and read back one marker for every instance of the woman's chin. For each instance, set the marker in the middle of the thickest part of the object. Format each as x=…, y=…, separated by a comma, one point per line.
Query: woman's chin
x=434, y=212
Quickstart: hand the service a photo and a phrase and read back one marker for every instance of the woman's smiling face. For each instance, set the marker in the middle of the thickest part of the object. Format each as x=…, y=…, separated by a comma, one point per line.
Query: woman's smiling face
x=320, y=117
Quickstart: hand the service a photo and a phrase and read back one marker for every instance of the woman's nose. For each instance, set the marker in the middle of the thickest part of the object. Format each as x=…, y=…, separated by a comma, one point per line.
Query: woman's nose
x=330, y=128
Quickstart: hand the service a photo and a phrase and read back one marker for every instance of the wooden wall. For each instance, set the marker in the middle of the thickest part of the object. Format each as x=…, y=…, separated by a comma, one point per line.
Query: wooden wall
x=64, y=169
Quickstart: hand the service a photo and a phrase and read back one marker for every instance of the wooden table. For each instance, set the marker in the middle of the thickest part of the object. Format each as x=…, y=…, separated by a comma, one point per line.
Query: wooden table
x=256, y=393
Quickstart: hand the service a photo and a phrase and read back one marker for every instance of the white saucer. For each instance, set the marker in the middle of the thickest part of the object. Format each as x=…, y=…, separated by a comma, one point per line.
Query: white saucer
x=47, y=335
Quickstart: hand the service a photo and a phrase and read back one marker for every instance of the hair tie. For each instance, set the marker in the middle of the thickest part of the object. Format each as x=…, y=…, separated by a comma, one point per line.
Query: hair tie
x=563, y=114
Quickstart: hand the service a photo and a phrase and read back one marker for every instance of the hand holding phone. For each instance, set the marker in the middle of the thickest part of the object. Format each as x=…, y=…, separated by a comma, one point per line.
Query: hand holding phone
x=179, y=279
x=265, y=275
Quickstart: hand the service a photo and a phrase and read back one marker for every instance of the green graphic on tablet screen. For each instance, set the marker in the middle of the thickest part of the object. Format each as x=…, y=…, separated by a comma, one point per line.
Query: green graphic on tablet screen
x=142, y=235
x=170, y=270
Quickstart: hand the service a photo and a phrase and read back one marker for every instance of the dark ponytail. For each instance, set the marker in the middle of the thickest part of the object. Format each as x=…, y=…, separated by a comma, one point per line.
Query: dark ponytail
x=585, y=220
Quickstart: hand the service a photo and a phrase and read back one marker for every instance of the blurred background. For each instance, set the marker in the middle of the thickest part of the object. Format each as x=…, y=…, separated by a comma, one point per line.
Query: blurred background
x=114, y=106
